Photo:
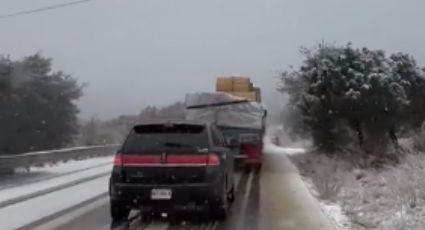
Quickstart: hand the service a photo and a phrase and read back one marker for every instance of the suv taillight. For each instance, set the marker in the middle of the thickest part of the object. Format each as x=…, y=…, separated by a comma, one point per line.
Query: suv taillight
x=213, y=160
x=117, y=169
x=118, y=160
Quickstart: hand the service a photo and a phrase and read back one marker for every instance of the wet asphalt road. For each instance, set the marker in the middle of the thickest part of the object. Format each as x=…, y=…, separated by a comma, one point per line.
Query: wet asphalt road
x=274, y=198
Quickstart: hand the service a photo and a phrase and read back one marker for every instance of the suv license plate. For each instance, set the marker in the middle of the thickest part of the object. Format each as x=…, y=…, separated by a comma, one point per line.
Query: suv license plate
x=161, y=194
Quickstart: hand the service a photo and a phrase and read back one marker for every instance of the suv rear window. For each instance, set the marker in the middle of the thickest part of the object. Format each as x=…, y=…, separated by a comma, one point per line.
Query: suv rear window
x=161, y=137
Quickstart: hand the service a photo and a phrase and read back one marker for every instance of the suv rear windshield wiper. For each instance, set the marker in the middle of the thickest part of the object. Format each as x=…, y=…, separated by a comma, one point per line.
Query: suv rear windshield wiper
x=179, y=145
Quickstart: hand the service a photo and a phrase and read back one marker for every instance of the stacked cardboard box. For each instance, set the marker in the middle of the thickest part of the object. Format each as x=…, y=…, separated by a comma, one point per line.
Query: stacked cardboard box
x=257, y=91
x=248, y=95
x=224, y=84
x=238, y=86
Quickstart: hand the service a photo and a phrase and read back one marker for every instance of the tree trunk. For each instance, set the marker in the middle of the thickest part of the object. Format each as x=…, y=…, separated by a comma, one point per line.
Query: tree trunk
x=358, y=128
x=393, y=135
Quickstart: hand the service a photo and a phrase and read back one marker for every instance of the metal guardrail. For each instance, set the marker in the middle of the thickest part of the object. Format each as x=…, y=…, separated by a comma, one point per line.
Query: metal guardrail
x=53, y=156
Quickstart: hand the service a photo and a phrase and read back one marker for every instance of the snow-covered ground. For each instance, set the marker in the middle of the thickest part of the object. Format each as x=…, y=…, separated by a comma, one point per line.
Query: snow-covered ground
x=271, y=147
x=60, y=175
x=336, y=214
x=24, y=213
x=25, y=190
x=333, y=210
x=37, y=174
x=71, y=166
x=388, y=198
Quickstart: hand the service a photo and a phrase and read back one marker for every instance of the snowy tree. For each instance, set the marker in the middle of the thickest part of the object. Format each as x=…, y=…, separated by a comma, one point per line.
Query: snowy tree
x=341, y=94
x=173, y=111
x=37, y=105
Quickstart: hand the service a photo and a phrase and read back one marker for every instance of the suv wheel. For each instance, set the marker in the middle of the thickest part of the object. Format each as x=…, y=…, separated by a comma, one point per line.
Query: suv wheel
x=220, y=209
x=118, y=211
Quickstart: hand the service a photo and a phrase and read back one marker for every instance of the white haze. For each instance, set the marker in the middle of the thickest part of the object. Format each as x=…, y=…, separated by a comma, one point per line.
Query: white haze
x=133, y=53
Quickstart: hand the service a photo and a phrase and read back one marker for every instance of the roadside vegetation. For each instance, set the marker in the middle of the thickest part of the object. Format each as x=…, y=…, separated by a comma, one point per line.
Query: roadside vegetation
x=363, y=111
x=38, y=110
x=389, y=198
x=37, y=105
x=343, y=96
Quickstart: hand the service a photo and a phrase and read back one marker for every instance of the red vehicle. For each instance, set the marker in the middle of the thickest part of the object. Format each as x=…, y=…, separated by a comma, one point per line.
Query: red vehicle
x=251, y=148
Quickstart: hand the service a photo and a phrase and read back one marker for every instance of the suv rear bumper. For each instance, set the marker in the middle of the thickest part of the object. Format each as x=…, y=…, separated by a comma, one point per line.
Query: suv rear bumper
x=139, y=195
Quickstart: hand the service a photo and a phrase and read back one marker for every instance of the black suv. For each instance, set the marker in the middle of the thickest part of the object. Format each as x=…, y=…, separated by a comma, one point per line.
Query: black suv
x=167, y=166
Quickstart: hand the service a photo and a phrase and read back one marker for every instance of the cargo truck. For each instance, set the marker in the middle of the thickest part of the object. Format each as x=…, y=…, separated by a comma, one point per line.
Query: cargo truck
x=241, y=118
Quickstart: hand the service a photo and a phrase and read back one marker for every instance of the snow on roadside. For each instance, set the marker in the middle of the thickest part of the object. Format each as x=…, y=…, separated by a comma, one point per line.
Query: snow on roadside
x=41, y=178
x=335, y=212
x=332, y=210
x=37, y=174
x=24, y=213
x=65, y=167
x=30, y=188
x=269, y=147
x=282, y=150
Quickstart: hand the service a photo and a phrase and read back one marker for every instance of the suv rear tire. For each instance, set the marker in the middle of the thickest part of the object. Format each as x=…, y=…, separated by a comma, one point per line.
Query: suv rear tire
x=220, y=213
x=221, y=206
x=118, y=211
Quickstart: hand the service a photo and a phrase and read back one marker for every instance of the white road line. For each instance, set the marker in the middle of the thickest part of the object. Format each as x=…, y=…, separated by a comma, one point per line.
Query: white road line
x=238, y=177
x=214, y=226
x=200, y=227
x=245, y=201
x=73, y=215
x=106, y=227
x=207, y=226
x=158, y=226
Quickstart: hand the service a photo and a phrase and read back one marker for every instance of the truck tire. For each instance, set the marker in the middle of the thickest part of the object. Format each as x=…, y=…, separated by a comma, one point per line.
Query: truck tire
x=257, y=167
x=231, y=194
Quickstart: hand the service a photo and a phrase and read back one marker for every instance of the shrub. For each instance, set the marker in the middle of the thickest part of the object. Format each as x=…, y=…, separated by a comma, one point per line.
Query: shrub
x=342, y=96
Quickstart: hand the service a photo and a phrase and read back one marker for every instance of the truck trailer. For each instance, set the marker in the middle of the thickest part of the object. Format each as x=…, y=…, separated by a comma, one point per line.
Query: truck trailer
x=241, y=120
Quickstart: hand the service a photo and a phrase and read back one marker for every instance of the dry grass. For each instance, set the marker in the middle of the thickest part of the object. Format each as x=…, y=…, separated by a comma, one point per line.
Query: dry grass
x=418, y=140
x=322, y=172
x=389, y=198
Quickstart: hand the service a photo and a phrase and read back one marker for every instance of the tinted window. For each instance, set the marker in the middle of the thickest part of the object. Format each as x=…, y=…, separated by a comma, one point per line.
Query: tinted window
x=152, y=138
x=217, y=137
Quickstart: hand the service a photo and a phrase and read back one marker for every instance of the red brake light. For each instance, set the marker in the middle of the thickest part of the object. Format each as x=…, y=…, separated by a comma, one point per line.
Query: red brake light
x=118, y=160
x=213, y=160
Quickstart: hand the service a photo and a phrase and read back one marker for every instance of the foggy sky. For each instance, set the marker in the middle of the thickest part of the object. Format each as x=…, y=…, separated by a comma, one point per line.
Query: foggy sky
x=134, y=53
